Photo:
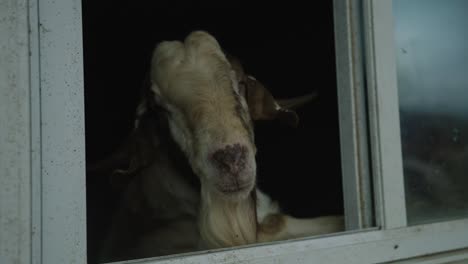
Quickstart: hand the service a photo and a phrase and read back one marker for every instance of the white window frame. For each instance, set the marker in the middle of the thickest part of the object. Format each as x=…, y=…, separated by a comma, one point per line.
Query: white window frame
x=354, y=137
x=42, y=155
x=42, y=160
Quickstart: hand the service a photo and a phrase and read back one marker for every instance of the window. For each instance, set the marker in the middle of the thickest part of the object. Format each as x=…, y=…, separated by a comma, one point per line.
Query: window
x=382, y=68
x=430, y=42
x=277, y=46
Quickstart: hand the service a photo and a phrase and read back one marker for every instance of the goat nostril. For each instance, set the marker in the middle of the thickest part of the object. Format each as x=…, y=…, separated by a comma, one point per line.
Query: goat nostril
x=231, y=158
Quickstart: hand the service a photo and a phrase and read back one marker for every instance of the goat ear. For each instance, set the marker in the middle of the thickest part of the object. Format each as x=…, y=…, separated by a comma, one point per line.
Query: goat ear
x=263, y=106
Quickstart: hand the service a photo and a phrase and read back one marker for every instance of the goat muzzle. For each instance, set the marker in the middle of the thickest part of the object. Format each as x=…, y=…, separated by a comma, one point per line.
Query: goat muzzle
x=231, y=159
x=231, y=164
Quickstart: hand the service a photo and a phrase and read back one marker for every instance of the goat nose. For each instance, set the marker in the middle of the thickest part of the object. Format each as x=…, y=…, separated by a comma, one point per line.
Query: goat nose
x=230, y=159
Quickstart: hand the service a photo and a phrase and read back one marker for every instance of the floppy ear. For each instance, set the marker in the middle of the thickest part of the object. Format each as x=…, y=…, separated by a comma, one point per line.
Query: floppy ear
x=263, y=106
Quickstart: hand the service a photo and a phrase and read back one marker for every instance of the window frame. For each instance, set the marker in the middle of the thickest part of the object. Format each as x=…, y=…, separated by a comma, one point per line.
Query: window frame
x=354, y=136
x=43, y=174
x=386, y=154
x=62, y=133
x=43, y=208
x=15, y=144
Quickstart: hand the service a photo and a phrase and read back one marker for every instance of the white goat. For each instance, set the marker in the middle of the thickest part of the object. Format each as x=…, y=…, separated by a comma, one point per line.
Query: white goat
x=192, y=167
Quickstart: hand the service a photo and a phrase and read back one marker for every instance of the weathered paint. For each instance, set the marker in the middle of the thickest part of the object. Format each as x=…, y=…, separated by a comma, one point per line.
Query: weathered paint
x=15, y=174
x=62, y=132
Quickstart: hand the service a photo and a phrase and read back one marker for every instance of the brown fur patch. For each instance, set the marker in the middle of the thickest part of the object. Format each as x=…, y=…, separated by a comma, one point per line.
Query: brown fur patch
x=272, y=224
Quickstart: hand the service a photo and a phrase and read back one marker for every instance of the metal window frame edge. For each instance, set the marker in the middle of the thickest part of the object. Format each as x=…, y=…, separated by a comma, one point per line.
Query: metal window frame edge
x=384, y=120
x=357, y=191
x=36, y=173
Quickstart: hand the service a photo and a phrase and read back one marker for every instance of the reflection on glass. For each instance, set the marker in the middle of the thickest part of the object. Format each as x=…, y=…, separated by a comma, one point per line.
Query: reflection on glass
x=432, y=65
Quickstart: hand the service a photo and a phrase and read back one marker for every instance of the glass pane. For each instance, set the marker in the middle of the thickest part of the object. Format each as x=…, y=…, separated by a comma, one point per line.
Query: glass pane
x=144, y=198
x=432, y=64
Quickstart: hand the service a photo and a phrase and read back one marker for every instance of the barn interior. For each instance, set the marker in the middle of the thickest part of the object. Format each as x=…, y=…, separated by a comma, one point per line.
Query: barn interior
x=288, y=46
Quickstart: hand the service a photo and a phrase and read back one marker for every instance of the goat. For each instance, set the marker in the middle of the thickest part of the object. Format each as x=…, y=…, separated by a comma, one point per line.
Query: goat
x=191, y=159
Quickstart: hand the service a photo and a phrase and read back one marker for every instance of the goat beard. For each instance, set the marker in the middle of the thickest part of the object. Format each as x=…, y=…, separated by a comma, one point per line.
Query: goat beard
x=227, y=223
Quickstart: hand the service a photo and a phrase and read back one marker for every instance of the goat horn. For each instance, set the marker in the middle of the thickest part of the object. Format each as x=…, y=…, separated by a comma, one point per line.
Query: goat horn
x=296, y=101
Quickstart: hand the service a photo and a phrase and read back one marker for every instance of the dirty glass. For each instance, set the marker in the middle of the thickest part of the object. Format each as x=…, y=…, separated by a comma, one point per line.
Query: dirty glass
x=432, y=69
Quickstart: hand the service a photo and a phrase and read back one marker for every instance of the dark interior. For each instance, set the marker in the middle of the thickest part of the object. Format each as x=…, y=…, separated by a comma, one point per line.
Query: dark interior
x=286, y=45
